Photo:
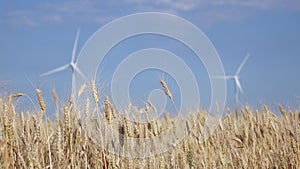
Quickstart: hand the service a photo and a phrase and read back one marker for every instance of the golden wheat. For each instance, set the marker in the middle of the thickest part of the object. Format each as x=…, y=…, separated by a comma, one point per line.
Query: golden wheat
x=95, y=92
x=107, y=110
x=152, y=106
x=254, y=139
x=166, y=89
x=16, y=95
x=55, y=98
x=41, y=100
x=81, y=90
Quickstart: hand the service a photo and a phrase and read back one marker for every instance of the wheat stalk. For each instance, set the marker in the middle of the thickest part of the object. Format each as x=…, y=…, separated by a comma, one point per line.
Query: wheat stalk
x=55, y=98
x=136, y=130
x=190, y=157
x=67, y=120
x=107, y=110
x=9, y=118
x=95, y=92
x=166, y=89
x=81, y=90
x=41, y=99
x=152, y=106
x=2, y=146
x=16, y=95
x=168, y=93
x=282, y=110
x=127, y=127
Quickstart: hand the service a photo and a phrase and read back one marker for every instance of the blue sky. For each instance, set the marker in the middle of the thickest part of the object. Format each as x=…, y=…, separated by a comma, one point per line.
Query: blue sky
x=37, y=36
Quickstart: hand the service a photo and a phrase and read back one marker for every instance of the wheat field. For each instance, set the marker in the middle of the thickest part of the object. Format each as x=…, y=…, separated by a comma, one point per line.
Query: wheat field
x=243, y=138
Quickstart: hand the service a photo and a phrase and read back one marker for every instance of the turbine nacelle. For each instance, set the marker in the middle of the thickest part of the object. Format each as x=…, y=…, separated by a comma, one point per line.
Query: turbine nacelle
x=238, y=84
x=72, y=65
x=235, y=78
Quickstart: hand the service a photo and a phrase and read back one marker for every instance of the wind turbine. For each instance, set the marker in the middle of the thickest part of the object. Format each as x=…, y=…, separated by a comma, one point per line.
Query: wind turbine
x=72, y=65
x=237, y=84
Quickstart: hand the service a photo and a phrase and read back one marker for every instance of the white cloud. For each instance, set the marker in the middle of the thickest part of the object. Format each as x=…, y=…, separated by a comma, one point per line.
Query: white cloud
x=20, y=18
x=135, y=1
x=214, y=11
x=23, y=21
x=259, y=4
x=189, y=5
x=76, y=12
x=99, y=12
x=82, y=11
x=69, y=6
x=184, y=5
x=53, y=18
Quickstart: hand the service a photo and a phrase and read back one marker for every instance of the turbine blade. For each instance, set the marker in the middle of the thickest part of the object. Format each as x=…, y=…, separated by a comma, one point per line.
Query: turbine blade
x=75, y=46
x=238, y=85
x=242, y=64
x=222, y=77
x=76, y=69
x=61, y=68
x=218, y=77
x=235, y=88
x=73, y=86
x=236, y=94
x=237, y=99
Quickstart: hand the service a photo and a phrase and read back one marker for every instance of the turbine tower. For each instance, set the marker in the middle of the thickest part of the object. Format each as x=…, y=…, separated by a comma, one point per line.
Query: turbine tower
x=237, y=84
x=72, y=65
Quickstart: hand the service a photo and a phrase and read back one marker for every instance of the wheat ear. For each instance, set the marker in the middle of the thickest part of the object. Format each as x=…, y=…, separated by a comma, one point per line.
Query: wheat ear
x=81, y=90
x=166, y=89
x=16, y=95
x=168, y=93
x=94, y=90
x=107, y=110
x=152, y=106
x=41, y=99
x=55, y=98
